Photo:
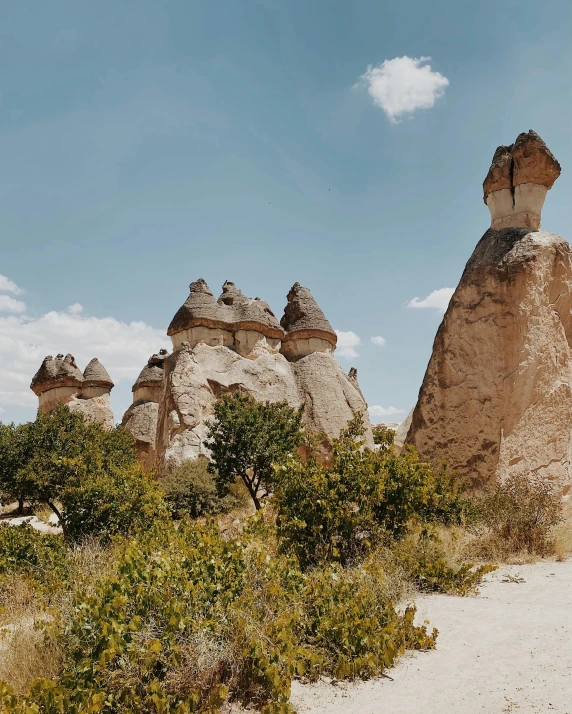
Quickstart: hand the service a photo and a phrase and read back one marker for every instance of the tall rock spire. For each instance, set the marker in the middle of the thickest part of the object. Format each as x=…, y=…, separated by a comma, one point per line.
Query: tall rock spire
x=306, y=326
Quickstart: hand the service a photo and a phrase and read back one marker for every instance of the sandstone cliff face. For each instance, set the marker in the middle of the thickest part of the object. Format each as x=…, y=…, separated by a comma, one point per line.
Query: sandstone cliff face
x=496, y=399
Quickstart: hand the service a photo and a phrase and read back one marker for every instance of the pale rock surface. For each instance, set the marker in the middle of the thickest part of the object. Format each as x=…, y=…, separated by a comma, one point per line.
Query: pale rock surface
x=96, y=409
x=496, y=399
x=401, y=432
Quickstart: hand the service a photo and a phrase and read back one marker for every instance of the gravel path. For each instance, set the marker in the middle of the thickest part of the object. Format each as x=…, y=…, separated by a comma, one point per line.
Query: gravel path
x=507, y=650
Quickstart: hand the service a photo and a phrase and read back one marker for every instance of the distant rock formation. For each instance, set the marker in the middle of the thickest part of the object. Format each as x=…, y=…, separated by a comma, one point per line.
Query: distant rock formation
x=60, y=381
x=141, y=417
x=236, y=343
x=496, y=399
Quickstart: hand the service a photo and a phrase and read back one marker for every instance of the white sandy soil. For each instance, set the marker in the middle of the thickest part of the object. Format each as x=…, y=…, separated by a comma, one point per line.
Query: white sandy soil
x=507, y=650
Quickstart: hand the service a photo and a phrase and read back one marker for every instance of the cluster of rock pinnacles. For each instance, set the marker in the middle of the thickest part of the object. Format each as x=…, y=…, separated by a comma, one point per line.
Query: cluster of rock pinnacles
x=496, y=399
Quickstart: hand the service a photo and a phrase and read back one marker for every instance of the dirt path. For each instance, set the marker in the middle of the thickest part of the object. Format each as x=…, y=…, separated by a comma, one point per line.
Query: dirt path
x=507, y=650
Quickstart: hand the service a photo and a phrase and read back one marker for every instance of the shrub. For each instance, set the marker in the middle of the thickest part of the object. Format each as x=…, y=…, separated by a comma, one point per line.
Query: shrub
x=190, y=489
x=247, y=439
x=89, y=477
x=25, y=550
x=423, y=558
x=188, y=619
x=520, y=513
x=383, y=436
x=339, y=512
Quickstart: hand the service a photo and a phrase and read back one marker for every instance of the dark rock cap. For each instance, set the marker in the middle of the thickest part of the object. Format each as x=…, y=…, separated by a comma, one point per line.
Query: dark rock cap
x=152, y=373
x=528, y=160
x=59, y=372
x=95, y=375
x=233, y=311
x=303, y=317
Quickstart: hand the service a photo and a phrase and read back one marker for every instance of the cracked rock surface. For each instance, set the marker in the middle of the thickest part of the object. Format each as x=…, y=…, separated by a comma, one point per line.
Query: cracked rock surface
x=496, y=399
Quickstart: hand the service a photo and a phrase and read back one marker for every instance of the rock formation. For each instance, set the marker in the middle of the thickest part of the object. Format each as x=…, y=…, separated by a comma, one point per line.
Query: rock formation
x=60, y=381
x=141, y=417
x=236, y=343
x=496, y=399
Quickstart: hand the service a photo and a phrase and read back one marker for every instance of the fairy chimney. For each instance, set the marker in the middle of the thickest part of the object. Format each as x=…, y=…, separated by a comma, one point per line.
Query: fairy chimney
x=496, y=399
x=517, y=182
x=307, y=329
x=141, y=417
x=243, y=324
x=60, y=381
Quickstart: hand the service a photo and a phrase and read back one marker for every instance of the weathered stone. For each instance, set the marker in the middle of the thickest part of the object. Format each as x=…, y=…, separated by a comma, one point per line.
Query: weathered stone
x=306, y=326
x=517, y=182
x=496, y=399
x=95, y=409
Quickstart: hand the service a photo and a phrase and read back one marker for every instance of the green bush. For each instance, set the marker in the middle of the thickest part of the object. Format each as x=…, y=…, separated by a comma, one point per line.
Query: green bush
x=189, y=619
x=25, y=550
x=383, y=436
x=248, y=439
x=339, y=512
x=190, y=489
x=520, y=514
x=423, y=558
x=87, y=475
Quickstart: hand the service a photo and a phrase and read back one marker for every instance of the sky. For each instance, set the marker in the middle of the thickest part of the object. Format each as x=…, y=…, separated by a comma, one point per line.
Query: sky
x=341, y=144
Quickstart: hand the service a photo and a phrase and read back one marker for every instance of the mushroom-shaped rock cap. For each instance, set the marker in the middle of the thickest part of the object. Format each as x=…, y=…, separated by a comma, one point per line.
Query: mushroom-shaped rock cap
x=95, y=375
x=303, y=318
x=233, y=311
x=59, y=372
x=152, y=373
x=528, y=160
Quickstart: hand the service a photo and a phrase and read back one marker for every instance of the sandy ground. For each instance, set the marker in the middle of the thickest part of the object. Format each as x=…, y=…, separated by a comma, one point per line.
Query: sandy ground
x=507, y=650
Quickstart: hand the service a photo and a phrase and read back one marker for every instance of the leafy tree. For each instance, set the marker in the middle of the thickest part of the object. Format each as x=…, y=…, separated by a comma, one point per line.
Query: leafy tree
x=248, y=439
x=190, y=489
x=339, y=512
x=88, y=476
x=383, y=436
x=14, y=454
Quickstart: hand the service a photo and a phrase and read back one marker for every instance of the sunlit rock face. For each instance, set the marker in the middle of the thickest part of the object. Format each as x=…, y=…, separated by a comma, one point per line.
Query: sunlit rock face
x=236, y=343
x=496, y=399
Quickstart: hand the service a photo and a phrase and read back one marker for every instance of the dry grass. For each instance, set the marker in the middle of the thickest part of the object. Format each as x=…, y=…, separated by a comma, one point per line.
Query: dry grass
x=27, y=650
x=562, y=534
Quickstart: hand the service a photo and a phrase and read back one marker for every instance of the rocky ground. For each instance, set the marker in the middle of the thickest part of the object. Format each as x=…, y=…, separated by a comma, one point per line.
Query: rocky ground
x=507, y=650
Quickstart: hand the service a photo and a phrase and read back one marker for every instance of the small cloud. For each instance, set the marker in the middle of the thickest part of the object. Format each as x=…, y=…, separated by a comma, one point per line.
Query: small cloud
x=379, y=413
x=9, y=286
x=75, y=309
x=379, y=340
x=347, y=342
x=402, y=85
x=8, y=304
x=437, y=300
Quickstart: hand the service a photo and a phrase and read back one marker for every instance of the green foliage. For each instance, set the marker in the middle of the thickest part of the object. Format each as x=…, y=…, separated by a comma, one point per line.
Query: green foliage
x=190, y=489
x=25, y=550
x=520, y=513
x=88, y=476
x=383, y=436
x=423, y=558
x=247, y=439
x=339, y=512
x=15, y=452
x=189, y=618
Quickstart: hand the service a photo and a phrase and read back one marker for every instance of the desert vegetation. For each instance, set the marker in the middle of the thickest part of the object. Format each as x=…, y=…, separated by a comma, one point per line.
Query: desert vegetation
x=167, y=596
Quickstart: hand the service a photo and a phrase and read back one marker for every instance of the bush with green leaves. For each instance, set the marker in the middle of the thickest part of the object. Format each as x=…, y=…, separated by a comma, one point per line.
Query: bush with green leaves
x=88, y=476
x=338, y=512
x=383, y=436
x=191, y=489
x=189, y=619
x=248, y=439
x=24, y=550
x=520, y=513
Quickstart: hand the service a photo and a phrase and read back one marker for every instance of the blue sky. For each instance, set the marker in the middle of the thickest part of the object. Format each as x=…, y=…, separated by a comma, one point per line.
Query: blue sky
x=146, y=144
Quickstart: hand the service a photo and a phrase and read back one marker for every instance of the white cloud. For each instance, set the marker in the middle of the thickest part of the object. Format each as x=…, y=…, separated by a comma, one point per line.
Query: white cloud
x=123, y=348
x=437, y=300
x=347, y=342
x=75, y=309
x=402, y=85
x=9, y=286
x=378, y=413
x=8, y=304
x=379, y=340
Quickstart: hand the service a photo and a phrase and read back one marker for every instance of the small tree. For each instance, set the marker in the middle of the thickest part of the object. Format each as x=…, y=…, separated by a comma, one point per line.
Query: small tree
x=14, y=455
x=88, y=476
x=383, y=436
x=247, y=439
